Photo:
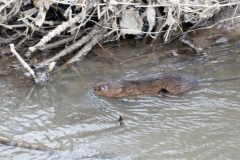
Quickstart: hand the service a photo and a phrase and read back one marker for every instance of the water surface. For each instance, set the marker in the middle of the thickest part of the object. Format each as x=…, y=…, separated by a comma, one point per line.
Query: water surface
x=66, y=115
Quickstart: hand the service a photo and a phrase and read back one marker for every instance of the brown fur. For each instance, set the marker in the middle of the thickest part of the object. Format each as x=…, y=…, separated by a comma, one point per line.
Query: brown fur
x=166, y=83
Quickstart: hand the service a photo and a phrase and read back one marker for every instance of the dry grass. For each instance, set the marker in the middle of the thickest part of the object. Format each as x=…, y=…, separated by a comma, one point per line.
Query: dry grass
x=118, y=18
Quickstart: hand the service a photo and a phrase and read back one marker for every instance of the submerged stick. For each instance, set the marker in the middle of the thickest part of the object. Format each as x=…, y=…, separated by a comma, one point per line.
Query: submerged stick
x=190, y=44
x=6, y=141
x=25, y=65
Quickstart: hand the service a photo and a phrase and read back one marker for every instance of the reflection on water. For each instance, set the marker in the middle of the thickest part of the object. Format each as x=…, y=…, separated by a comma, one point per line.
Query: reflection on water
x=66, y=115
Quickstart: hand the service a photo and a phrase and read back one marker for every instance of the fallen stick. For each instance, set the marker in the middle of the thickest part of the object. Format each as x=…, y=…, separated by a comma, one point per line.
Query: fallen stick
x=88, y=47
x=61, y=42
x=85, y=39
x=25, y=65
x=7, y=141
x=190, y=44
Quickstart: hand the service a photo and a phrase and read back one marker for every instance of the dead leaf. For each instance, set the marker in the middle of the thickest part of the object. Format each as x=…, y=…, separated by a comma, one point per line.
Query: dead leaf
x=38, y=3
x=170, y=20
x=151, y=15
x=43, y=6
x=131, y=22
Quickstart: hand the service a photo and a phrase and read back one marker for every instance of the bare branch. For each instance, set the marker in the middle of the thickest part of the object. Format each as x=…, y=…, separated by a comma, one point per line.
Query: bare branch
x=25, y=65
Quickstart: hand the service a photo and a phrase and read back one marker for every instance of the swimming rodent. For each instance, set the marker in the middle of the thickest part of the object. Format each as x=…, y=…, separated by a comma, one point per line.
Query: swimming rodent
x=164, y=83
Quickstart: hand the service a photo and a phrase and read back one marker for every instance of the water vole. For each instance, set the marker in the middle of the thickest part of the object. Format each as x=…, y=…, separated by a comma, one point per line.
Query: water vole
x=165, y=83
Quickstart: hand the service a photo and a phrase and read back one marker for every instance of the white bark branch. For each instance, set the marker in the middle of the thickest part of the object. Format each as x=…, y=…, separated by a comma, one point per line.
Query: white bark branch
x=25, y=65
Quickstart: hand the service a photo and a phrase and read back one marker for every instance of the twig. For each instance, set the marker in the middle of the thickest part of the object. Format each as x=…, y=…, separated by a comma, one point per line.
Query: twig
x=22, y=41
x=54, y=32
x=25, y=65
x=50, y=23
x=157, y=26
x=61, y=42
x=101, y=4
x=190, y=44
x=235, y=12
x=192, y=5
x=62, y=11
x=133, y=59
x=72, y=47
x=13, y=26
x=88, y=47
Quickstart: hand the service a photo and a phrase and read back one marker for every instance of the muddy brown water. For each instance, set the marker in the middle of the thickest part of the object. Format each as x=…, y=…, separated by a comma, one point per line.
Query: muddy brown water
x=66, y=115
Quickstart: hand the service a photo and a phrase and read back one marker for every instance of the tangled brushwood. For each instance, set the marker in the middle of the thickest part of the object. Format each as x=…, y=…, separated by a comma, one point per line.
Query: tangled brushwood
x=81, y=24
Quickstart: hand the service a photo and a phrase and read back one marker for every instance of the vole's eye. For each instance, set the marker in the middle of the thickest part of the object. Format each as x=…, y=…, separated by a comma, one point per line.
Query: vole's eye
x=104, y=87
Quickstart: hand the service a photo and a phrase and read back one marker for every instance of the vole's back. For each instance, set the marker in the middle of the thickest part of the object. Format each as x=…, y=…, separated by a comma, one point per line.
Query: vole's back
x=166, y=83
x=177, y=83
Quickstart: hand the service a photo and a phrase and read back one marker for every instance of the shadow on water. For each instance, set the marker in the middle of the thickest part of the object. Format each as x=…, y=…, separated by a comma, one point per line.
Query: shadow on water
x=66, y=115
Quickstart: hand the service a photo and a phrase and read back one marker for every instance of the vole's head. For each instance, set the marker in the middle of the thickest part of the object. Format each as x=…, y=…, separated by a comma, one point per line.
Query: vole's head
x=109, y=89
